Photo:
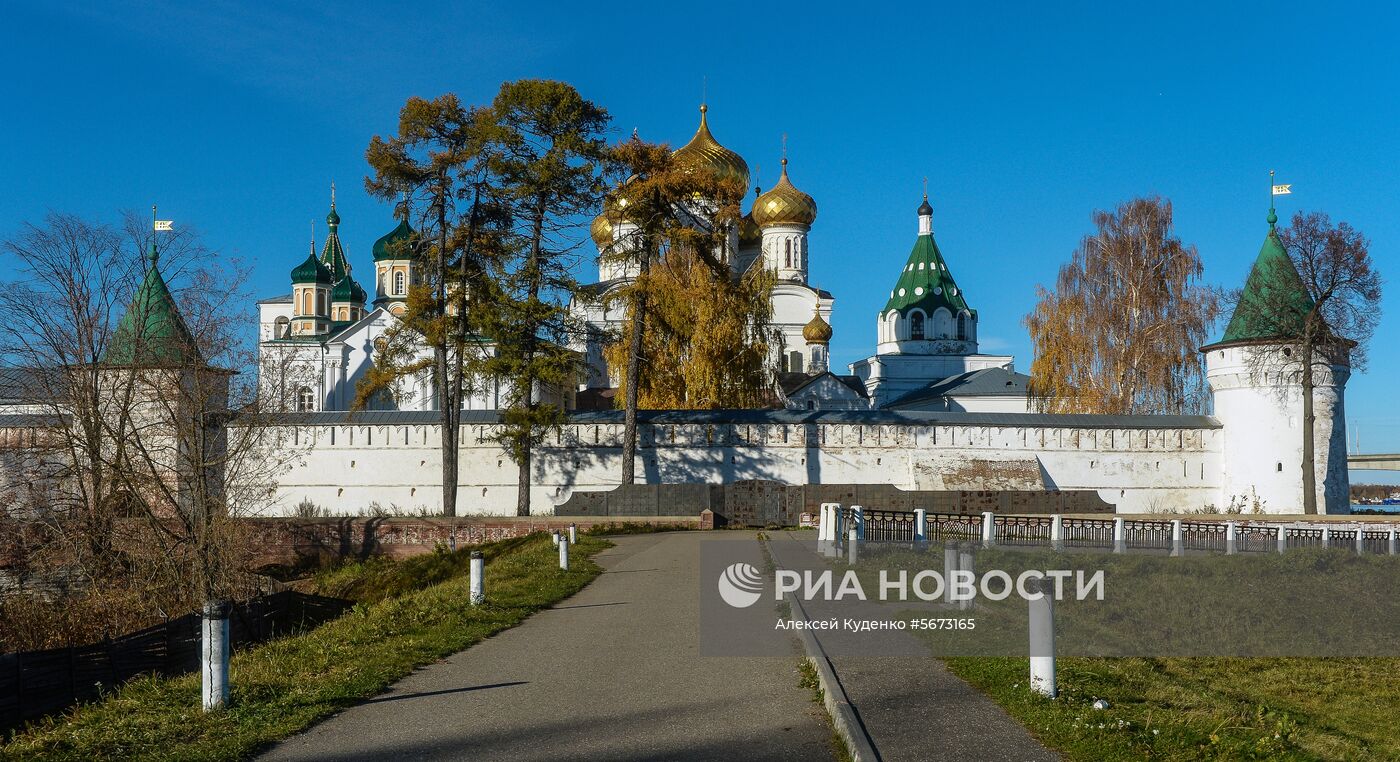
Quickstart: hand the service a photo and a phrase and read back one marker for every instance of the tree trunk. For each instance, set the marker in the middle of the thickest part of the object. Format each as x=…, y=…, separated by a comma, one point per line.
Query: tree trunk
x=448, y=406
x=634, y=362
x=1309, y=467
x=522, y=483
x=534, y=276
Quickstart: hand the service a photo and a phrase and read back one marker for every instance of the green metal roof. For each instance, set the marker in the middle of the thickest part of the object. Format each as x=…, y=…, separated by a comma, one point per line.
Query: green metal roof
x=311, y=271
x=1275, y=301
x=333, y=253
x=926, y=283
x=396, y=244
x=347, y=290
x=152, y=332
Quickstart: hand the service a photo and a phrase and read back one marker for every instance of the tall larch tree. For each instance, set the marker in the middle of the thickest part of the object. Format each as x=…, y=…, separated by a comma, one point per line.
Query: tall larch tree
x=1119, y=333
x=549, y=155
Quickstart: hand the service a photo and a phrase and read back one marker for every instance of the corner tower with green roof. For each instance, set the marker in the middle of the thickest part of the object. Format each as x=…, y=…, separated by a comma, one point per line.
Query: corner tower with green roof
x=926, y=331
x=395, y=267
x=152, y=333
x=1257, y=395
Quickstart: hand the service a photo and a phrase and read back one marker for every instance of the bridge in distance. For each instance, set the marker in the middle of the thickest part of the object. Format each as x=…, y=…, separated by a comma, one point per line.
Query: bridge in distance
x=1373, y=462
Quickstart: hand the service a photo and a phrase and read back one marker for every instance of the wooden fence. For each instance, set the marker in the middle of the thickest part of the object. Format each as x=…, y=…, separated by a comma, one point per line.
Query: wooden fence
x=36, y=683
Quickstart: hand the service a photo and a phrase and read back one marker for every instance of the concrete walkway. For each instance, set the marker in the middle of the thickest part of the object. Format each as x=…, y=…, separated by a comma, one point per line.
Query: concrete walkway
x=613, y=673
x=911, y=706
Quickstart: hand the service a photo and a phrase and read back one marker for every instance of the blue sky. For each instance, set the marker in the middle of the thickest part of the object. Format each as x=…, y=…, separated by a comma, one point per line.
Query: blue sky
x=1025, y=118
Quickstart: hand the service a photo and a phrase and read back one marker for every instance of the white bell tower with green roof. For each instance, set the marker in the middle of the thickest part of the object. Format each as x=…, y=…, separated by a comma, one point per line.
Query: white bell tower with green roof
x=926, y=330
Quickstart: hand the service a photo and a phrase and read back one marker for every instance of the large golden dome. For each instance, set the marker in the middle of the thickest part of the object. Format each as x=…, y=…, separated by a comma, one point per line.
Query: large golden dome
x=784, y=204
x=602, y=231
x=817, y=330
x=704, y=152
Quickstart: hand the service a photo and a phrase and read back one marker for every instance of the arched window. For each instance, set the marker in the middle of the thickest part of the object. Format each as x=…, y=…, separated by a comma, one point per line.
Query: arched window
x=962, y=326
x=306, y=302
x=321, y=303
x=794, y=362
x=282, y=328
x=916, y=326
x=306, y=400
x=787, y=252
x=398, y=284
x=811, y=404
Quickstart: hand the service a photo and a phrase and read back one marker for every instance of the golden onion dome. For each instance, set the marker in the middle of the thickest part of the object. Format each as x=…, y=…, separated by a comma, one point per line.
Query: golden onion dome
x=784, y=204
x=817, y=331
x=704, y=152
x=749, y=231
x=602, y=231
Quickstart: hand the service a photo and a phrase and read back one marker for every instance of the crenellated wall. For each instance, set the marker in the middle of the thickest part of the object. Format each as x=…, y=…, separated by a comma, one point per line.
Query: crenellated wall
x=1138, y=464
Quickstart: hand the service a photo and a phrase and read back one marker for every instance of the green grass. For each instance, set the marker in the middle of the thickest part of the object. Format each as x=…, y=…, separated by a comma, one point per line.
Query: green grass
x=1204, y=708
x=284, y=686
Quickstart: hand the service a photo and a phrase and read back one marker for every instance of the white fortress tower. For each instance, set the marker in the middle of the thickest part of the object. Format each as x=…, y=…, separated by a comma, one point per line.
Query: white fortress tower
x=1256, y=383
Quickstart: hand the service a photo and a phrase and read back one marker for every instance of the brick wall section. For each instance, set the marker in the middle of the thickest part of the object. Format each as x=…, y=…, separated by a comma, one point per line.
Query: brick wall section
x=289, y=541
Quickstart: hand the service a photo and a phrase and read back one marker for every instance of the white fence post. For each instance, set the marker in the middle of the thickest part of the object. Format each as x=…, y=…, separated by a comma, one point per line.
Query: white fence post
x=1282, y=538
x=478, y=577
x=989, y=529
x=1178, y=545
x=1230, y=538
x=214, y=656
x=1042, y=639
x=920, y=526
x=852, y=542
x=1057, y=532
x=823, y=525
x=1360, y=539
x=950, y=565
x=564, y=553
x=1391, y=542
x=1120, y=536
x=1326, y=536
x=554, y=537
x=573, y=534
x=858, y=521
x=965, y=564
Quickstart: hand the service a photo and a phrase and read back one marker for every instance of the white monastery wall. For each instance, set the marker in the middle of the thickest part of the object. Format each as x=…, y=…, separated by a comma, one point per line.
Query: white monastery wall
x=345, y=468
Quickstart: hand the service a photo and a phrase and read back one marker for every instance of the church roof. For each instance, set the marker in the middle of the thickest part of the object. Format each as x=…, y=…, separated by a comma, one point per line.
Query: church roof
x=925, y=282
x=986, y=382
x=792, y=383
x=784, y=204
x=333, y=253
x=395, y=244
x=705, y=153
x=152, y=332
x=1275, y=301
x=347, y=290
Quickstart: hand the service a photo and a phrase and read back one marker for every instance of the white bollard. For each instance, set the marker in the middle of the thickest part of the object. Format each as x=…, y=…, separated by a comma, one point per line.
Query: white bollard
x=554, y=537
x=989, y=529
x=858, y=521
x=1178, y=545
x=214, y=656
x=1326, y=537
x=1120, y=536
x=1391, y=541
x=573, y=534
x=1057, y=532
x=852, y=542
x=950, y=565
x=564, y=553
x=1360, y=539
x=1282, y=538
x=823, y=524
x=1230, y=538
x=478, y=576
x=965, y=564
x=1042, y=639
x=920, y=526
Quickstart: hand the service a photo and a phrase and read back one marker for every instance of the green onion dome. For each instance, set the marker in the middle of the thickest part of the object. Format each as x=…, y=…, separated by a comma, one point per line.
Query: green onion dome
x=311, y=271
x=347, y=290
x=396, y=244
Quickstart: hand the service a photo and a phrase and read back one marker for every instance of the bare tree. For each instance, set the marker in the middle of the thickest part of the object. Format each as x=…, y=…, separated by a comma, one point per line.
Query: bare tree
x=1120, y=331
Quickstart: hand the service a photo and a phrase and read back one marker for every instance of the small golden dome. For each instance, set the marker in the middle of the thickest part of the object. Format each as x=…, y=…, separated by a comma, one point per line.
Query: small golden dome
x=784, y=204
x=817, y=331
x=749, y=231
x=602, y=231
x=704, y=152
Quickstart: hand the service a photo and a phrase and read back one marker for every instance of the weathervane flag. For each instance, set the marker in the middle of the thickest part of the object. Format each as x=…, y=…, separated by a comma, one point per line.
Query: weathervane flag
x=1283, y=190
x=162, y=225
